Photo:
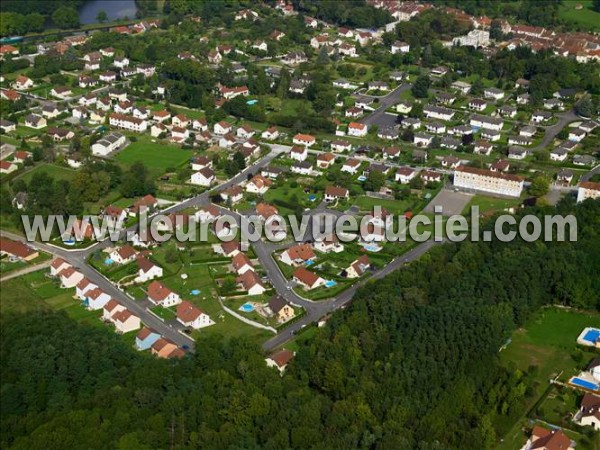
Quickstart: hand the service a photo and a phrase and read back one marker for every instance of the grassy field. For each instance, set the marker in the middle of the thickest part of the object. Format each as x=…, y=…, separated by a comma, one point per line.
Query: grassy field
x=488, y=204
x=57, y=172
x=585, y=18
x=35, y=292
x=157, y=157
x=547, y=341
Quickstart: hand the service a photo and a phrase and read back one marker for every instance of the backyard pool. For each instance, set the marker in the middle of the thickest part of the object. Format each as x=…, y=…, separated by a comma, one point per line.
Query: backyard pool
x=589, y=336
x=580, y=382
x=592, y=335
x=69, y=242
x=195, y=292
x=330, y=283
x=312, y=197
x=309, y=263
x=108, y=261
x=362, y=178
x=251, y=102
x=372, y=247
x=247, y=307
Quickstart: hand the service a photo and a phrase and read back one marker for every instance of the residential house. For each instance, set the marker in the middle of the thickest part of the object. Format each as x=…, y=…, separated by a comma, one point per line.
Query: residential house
x=333, y=193
x=357, y=129
x=70, y=277
x=17, y=250
x=307, y=279
x=222, y=128
x=147, y=270
x=281, y=309
x=250, y=282
x=483, y=148
x=400, y=47
x=189, y=315
x=35, y=121
x=351, y=166
x=340, y=146
x=241, y=263
x=57, y=266
x=95, y=299
x=477, y=104
x=493, y=93
x=108, y=144
x=7, y=167
x=544, y=439
x=159, y=294
x=518, y=153
x=358, y=267
x=270, y=134
x=304, y=139
x=422, y=139
x=164, y=348
x=204, y=177
x=22, y=83
x=325, y=160
x=302, y=168
x=404, y=175
x=258, y=185
x=145, y=338
x=588, y=189
x=280, y=360
x=589, y=411
x=123, y=255
x=297, y=255
x=541, y=116
x=327, y=244
x=438, y=112
x=299, y=153
x=233, y=195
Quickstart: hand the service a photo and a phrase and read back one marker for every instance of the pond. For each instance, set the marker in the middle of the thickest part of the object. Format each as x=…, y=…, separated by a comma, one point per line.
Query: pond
x=114, y=9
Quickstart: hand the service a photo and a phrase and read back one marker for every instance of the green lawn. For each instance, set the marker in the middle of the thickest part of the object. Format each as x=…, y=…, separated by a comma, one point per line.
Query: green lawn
x=585, y=18
x=57, y=172
x=488, y=204
x=157, y=156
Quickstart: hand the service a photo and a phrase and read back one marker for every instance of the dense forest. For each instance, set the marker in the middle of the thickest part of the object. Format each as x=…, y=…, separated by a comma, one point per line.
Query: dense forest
x=409, y=365
x=353, y=13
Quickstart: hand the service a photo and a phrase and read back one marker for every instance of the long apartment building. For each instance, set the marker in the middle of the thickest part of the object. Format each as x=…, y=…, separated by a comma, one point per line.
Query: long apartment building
x=488, y=181
x=128, y=122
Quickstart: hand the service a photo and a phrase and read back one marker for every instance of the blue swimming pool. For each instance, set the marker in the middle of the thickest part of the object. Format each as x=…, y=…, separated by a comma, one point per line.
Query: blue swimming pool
x=251, y=102
x=247, y=307
x=69, y=242
x=108, y=261
x=362, y=178
x=195, y=292
x=330, y=283
x=584, y=384
x=372, y=247
x=310, y=262
x=312, y=197
x=592, y=336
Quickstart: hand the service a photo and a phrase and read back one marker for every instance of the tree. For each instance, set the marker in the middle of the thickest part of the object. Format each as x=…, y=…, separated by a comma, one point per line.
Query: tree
x=102, y=17
x=420, y=88
x=596, y=5
x=496, y=30
x=374, y=181
x=585, y=108
x=65, y=17
x=540, y=186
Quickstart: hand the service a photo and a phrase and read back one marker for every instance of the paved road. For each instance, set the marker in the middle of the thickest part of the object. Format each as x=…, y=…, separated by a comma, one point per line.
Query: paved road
x=317, y=310
x=377, y=117
x=550, y=132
